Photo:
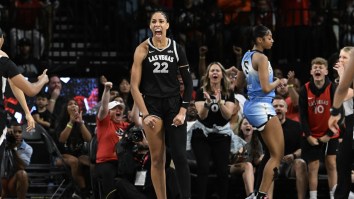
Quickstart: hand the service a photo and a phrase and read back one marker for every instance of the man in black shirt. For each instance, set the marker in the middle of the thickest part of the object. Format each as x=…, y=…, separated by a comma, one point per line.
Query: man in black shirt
x=292, y=165
x=56, y=101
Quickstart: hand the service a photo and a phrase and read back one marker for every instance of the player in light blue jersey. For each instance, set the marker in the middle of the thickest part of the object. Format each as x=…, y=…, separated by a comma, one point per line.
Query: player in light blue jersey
x=258, y=109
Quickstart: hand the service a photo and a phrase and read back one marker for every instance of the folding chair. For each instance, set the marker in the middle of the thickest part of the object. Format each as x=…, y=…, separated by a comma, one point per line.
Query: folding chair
x=45, y=179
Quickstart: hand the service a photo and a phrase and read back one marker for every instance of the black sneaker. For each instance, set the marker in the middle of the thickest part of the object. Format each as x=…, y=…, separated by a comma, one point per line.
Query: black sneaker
x=261, y=195
x=85, y=194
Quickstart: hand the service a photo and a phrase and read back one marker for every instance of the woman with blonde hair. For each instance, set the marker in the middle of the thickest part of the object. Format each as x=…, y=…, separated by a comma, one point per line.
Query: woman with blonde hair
x=211, y=139
x=342, y=190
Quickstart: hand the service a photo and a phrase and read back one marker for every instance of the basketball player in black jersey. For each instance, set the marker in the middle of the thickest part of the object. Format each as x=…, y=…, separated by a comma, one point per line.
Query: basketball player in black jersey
x=155, y=90
x=19, y=85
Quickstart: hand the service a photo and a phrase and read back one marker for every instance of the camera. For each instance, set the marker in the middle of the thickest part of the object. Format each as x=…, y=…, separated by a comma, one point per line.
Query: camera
x=135, y=134
x=130, y=139
x=10, y=141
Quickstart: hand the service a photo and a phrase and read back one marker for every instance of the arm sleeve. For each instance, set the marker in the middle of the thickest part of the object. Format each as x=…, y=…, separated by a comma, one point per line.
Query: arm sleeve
x=186, y=77
x=188, y=86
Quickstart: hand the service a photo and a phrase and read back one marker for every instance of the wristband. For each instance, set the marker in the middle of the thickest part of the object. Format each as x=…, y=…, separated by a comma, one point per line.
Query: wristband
x=70, y=126
x=52, y=100
x=290, y=85
x=145, y=116
x=334, y=111
x=185, y=104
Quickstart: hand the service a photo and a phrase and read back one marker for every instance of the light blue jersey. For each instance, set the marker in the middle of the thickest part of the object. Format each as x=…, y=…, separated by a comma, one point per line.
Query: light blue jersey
x=258, y=109
x=253, y=84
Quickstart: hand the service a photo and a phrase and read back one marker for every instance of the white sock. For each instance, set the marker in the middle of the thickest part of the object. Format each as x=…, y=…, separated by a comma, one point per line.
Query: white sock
x=331, y=192
x=351, y=195
x=313, y=194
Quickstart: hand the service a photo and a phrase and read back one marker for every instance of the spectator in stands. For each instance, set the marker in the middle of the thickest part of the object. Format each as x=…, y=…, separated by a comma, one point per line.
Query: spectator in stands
x=254, y=146
x=202, y=61
x=265, y=14
x=246, y=161
x=124, y=92
x=109, y=122
x=72, y=135
x=29, y=66
x=237, y=113
x=46, y=21
x=344, y=155
x=237, y=50
x=315, y=99
x=346, y=36
x=237, y=21
x=190, y=25
x=56, y=101
x=212, y=133
x=296, y=13
x=113, y=93
x=191, y=118
x=278, y=73
x=41, y=114
x=26, y=14
x=126, y=112
x=16, y=182
x=288, y=91
x=231, y=71
x=292, y=165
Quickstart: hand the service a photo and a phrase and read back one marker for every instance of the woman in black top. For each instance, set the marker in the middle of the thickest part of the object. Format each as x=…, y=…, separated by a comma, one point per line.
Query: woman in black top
x=155, y=90
x=212, y=132
x=73, y=133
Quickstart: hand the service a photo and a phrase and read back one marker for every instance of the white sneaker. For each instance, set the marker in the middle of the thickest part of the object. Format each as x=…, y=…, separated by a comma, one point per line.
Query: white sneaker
x=251, y=196
x=351, y=195
x=75, y=195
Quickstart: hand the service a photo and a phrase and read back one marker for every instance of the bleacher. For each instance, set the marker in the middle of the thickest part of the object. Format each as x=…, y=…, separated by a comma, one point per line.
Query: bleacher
x=89, y=40
x=92, y=38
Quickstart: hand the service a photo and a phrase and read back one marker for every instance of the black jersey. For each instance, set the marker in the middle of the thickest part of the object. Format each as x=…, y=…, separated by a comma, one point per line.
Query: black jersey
x=160, y=69
x=8, y=69
x=214, y=114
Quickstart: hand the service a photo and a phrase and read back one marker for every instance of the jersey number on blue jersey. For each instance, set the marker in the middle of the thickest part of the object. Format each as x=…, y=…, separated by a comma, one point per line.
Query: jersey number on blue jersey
x=246, y=68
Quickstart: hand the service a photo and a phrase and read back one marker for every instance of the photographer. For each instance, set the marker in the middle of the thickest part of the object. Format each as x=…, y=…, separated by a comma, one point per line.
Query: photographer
x=18, y=154
x=132, y=150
